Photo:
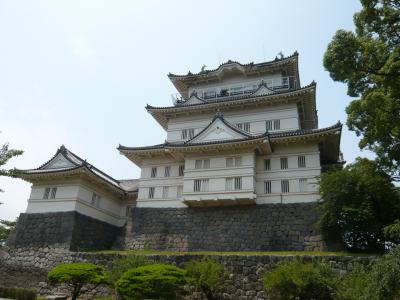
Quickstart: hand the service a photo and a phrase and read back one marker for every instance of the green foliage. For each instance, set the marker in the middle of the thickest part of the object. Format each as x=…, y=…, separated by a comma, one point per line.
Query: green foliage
x=392, y=232
x=206, y=275
x=369, y=62
x=353, y=285
x=121, y=265
x=5, y=155
x=357, y=203
x=158, y=281
x=77, y=275
x=385, y=277
x=17, y=293
x=5, y=229
x=300, y=280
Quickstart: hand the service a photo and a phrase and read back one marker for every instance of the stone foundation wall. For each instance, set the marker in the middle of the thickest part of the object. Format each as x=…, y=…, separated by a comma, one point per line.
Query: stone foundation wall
x=69, y=230
x=28, y=267
x=240, y=228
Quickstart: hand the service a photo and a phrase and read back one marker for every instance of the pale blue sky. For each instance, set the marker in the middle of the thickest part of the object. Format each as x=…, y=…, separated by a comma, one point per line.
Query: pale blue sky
x=79, y=73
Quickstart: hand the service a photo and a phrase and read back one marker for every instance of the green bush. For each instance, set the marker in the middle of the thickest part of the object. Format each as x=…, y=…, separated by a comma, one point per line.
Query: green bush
x=299, y=280
x=206, y=275
x=77, y=275
x=121, y=265
x=17, y=293
x=354, y=285
x=392, y=232
x=158, y=281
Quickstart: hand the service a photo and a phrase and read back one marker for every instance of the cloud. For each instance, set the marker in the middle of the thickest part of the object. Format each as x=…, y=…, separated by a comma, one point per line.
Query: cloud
x=83, y=51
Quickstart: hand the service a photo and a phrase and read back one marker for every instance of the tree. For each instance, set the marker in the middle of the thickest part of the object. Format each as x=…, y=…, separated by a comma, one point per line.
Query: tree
x=5, y=155
x=5, y=229
x=300, y=280
x=369, y=62
x=392, y=232
x=158, y=281
x=357, y=203
x=77, y=275
x=206, y=275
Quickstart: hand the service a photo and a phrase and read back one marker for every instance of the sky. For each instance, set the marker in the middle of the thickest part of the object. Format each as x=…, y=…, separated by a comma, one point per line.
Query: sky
x=80, y=73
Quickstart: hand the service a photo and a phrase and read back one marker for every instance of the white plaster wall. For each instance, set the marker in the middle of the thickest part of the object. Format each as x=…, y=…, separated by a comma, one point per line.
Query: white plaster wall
x=77, y=196
x=287, y=114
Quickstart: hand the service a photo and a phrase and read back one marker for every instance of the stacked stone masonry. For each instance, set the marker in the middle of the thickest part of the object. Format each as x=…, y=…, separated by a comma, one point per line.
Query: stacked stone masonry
x=28, y=267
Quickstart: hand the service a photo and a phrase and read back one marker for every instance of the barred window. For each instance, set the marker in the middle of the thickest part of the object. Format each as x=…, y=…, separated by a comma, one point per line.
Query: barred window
x=191, y=133
x=184, y=134
x=96, y=200
x=277, y=124
x=285, y=186
x=179, y=191
x=153, y=172
x=202, y=164
x=301, y=161
x=151, y=192
x=267, y=164
x=165, y=192
x=201, y=185
x=268, y=125
x=238, y=183
x=53, y=193
x=181, y=170
x=273, y=125
x=197, y=185
x=284, y=162
x=233, y=183
x=303, y=184
x=167, y=171
x=244, y=126
x=267, y=187
x=46, y=193
x=206, y=164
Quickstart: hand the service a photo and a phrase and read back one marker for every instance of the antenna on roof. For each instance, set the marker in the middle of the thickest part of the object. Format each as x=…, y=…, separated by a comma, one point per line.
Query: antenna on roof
x=281, y=55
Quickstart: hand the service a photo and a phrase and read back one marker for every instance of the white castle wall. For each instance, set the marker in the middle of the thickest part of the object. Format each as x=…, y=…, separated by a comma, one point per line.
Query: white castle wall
x=77, y=196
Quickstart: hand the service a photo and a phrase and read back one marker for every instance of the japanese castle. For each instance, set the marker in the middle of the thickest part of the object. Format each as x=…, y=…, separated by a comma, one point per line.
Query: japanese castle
x=237, y=135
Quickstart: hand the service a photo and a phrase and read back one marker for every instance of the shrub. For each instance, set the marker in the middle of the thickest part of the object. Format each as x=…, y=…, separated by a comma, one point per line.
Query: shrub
x=299, y=280
x=392, y=232
x=17, y=293
x=353, y=285
x=206, y=275
x=121, y=265
x=77, y=275
x=158, y=281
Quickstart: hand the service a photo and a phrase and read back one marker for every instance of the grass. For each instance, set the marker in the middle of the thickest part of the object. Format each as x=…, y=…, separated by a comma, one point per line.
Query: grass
x=273, y=253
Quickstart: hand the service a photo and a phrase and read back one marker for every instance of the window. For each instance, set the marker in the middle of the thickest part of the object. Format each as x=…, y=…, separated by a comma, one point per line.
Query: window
x=46, y=193
x=202, y=164
x=267, y=187
x=201, y=185
x=165, y=191
x=151, y=192
x=234, y=161
x=179, y=191
x=273, y=125
x=285, y=186
x=301, y=161
x=277, y=124
x=96, y=200
x=303, y=184
x=284, y=163
x=181, y=170
x=153, y=172
x=244, y=126
x=53, y=193
x=233, y=183
x=167, y=171
x=187, y=134
x=267, y=164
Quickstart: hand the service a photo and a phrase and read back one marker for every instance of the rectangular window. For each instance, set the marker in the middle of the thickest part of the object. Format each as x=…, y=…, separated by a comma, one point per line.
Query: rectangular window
x=202, y=164
x=301, y=161
x=244, y=126
x=285, y=186
x=229, y=161
x=197, y=185
x=53, y=193
x=181, y=170
x=96, y=200
x=229, y=184
x=268, y=125
x=153, y=172
x=184, y=134
x=303, y=185
x=167, y=171
x=238, y=183
x=165, y=191
x=284, y=163
x=206, y=164
x=191, y=133
x=277, y=124
x=46, y=193
x=204, y=185
x=238, y=161
x=179, y=191
x=151, y=192
x=267, y=187
x=234, y=161
x=267, y=164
